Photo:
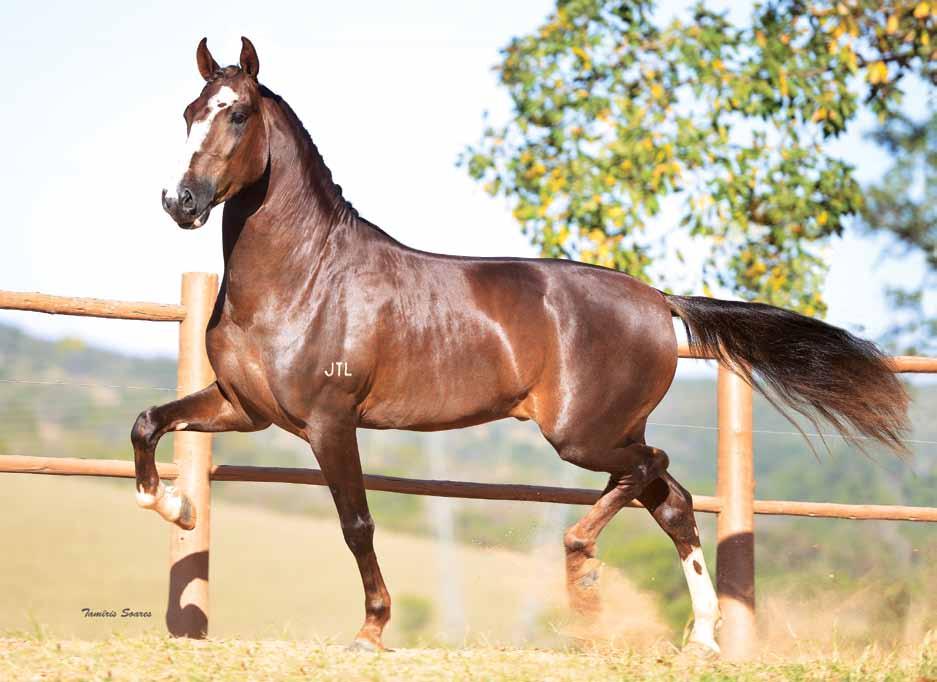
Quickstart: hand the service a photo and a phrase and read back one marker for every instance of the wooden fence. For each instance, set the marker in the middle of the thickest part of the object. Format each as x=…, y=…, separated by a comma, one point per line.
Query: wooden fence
x=193, y=471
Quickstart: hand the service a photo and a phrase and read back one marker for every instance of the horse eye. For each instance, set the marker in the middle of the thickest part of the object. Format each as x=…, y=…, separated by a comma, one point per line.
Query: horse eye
x=238, y=117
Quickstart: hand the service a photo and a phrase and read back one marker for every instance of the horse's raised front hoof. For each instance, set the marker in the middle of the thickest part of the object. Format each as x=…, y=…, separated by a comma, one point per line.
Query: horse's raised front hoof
x=186, y=520
x=367, y=645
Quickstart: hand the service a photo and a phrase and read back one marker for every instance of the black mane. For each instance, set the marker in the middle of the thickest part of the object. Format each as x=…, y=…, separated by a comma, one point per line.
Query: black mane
x=328, y=192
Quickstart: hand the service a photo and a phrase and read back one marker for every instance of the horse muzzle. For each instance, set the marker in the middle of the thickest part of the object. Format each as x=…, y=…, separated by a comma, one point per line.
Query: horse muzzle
x=188, y=206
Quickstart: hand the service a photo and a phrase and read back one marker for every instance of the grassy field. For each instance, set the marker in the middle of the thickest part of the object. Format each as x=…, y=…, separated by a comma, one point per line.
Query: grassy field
x=71, y=543
x=160, y=658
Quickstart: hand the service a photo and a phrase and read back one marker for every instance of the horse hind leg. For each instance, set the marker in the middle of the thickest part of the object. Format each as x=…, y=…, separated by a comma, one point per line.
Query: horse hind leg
x=671, y=505
x=631, y=468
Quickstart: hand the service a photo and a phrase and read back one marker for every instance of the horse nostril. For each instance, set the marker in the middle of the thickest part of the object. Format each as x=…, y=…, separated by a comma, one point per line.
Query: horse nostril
x=187, y=201
x=165, y=201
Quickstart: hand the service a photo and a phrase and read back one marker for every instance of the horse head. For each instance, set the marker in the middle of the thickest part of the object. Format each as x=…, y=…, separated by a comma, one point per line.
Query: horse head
x=226, y=147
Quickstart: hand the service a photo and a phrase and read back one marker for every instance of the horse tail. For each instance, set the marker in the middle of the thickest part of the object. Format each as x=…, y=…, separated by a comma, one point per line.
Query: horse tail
x=811, y=367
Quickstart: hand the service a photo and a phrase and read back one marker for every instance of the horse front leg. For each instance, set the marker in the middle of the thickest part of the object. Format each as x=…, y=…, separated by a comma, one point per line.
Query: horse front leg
x=337, y=454
x=207, y=411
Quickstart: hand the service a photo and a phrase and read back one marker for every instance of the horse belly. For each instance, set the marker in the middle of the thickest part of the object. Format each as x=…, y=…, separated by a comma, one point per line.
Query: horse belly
x=436, y=391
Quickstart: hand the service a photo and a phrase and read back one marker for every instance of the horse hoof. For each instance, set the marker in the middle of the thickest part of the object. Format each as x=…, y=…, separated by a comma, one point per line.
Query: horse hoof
x=700, y=652
x=186, y=520
x=366, y=645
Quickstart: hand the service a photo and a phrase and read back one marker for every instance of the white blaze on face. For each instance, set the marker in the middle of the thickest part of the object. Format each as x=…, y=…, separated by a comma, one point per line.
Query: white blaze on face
x=703, y=597
x=198, y=133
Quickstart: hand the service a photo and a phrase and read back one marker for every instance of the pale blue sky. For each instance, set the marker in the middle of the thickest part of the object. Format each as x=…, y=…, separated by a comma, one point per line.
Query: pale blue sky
x=390, y=91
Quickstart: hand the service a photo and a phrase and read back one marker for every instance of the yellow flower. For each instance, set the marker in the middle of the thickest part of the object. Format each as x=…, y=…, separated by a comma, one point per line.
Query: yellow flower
x=657, y=91
x=922, y=10
x=822, y=218
x=892, y=24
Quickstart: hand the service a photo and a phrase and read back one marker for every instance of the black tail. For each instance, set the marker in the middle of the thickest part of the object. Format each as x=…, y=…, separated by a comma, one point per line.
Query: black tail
x=812, y=367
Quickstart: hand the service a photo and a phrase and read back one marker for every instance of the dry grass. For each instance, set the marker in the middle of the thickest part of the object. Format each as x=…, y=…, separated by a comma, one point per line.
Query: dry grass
x=71, y=543
x=161, y=658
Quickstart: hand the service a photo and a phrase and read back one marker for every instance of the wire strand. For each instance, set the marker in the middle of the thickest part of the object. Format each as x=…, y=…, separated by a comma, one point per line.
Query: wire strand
x=82, y=385
x=787, y=433
x=663, y=424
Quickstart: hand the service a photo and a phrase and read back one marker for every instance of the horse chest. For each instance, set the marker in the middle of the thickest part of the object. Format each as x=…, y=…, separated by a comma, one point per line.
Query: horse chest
x=280, y=381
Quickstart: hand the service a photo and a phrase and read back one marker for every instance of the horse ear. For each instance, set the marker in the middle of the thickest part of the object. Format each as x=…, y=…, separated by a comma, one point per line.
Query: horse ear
x=207, y=66
x=249, y=63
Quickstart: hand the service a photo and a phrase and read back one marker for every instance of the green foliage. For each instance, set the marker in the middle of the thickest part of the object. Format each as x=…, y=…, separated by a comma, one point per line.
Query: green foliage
x=904, y=204
x=615, y=116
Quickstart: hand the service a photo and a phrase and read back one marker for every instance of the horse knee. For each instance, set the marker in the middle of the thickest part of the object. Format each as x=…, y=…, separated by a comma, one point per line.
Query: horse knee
x=143, y=433
x=359, y=533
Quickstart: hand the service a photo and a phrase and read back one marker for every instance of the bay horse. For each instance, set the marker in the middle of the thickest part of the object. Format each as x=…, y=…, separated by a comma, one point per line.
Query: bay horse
x=429, y=342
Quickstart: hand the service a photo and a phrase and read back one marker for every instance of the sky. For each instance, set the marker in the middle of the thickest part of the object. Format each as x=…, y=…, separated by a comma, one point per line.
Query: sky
x=390, y=91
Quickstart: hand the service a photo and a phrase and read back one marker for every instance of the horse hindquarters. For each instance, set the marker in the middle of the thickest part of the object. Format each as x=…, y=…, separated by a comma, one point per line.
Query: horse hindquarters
x=603, y=399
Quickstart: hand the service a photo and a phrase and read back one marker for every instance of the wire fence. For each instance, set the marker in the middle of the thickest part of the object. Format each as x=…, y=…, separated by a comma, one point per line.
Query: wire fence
x=705, y=427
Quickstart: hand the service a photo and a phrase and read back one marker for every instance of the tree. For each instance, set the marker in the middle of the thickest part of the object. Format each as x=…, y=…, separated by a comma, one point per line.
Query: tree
x=904, y=205
x=616, y=118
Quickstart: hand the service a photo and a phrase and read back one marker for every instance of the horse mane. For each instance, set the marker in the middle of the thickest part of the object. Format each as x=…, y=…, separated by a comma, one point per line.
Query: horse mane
x=329, y=194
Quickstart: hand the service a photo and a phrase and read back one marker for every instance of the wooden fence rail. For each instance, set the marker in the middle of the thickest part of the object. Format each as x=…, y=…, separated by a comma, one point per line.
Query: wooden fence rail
x=734, y=504
x=468, y=490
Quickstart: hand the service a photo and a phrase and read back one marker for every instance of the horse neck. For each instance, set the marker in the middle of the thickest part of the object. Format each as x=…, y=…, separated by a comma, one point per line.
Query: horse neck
x=293, y=222
x=290, y=213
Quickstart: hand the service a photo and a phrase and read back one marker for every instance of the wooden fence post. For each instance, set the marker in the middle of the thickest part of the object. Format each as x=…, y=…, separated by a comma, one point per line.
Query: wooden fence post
x=735, y=484
x=187, y=613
